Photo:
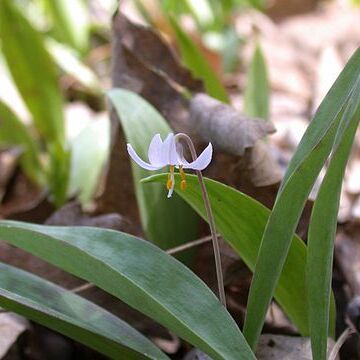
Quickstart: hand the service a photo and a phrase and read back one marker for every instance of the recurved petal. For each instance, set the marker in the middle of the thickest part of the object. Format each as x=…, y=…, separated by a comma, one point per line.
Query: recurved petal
x=139, y=161
x=202, y=161
x=155, y=151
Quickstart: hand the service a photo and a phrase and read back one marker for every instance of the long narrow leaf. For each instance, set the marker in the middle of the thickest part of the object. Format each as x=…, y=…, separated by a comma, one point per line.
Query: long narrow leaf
x=166, y=223
x=198, y=65
x=141, y=275
x=32, y=70
x=241, y=220
x=73, y=316
x=14, y=132
x=303, y=169
x=256, y=98
x=322, y=232
x=71, y=22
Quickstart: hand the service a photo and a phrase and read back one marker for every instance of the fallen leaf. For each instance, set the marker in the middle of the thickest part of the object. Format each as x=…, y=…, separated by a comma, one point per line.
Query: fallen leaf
x=11, y=327
x=224, y=127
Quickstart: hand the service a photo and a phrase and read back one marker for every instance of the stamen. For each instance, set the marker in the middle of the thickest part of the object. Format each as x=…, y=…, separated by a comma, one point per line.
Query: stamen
x=170, y=180
x=183, y=184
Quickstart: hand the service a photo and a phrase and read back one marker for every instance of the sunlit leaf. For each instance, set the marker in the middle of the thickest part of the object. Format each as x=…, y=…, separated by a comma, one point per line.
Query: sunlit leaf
x=15, y=133
x=89, y=153
x=69, y=62
x=32, y=70
x=197, y=63
x=71, y=22
x=256, y=98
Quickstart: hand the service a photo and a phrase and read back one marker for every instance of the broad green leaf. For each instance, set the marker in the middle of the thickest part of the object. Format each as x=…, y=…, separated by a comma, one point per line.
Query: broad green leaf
x=301, y=174
x=89, y=153
x=322, y=232
x=67, y=59
x=71, y=315
x=14, y=132
x=198, y=65
x=71, y=22
x=167, y=222
x=141, y=275
x=32, y=70
x=256, y=97
x=241, y=221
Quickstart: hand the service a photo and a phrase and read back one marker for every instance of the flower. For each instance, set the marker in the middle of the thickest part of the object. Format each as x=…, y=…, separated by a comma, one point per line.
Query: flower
x=170, y=153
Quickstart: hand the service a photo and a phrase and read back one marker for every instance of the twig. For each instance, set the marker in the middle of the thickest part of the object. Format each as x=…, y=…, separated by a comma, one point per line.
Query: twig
x=218, y=267
x=82, y=288
x=189, y=245
x=340, y=342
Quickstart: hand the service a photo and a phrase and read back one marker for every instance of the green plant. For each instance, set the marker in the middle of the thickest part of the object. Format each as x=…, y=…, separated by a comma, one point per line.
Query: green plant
x=47, y=153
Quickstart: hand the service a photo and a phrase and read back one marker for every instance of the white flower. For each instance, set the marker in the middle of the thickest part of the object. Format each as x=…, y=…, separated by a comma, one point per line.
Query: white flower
x=169, y=153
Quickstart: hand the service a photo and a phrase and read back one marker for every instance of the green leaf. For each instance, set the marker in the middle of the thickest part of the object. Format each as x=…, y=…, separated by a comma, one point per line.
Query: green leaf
x=167, y=222
x=301, y=174
x=241, y=221
x=58, y=173
x=73, y=316
x=198, y=65
x=68, y=60
x=256, y=97
x=32, y=70
x=14, y=132
x=89, y=153
x=141, y=275
x=322, y=231
x=71, y=22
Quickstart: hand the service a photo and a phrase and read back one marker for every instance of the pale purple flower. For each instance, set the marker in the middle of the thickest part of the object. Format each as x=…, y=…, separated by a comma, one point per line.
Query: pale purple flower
x=169, y=153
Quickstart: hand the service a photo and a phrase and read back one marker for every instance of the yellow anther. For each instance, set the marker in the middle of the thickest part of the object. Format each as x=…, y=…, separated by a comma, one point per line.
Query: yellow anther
x=183, y=185
x=170, y=183
x=182, y=173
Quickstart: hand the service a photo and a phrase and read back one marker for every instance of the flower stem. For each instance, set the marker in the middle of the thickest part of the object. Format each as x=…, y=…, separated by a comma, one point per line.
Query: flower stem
x=215, y=241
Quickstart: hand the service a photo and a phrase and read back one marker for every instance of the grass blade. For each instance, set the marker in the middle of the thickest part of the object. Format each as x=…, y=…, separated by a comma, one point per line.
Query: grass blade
x=33, y=71
x=256, y=97
x=301, y=174
x=14, y=132
x=71, y=22
x=322, y=232
x=198, y=65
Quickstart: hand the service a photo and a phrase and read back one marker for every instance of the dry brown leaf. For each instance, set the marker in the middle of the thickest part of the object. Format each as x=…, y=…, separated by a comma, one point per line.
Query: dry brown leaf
x=224, y=127
x=11, y=327
x=285, y=347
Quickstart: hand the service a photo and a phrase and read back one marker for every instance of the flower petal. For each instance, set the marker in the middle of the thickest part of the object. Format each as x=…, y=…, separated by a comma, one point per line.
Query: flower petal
x=169, y=153
x=139, y=161
x=155, y=151
x=202, y=161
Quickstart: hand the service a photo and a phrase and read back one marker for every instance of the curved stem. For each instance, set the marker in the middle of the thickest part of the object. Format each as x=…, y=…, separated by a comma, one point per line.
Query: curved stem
x=215, y=241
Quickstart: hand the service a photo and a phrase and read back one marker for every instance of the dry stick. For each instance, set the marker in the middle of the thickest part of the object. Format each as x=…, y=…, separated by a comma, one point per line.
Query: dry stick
x=218, y=267
x=189, y=245
x=171, y=251
x=340, y=342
